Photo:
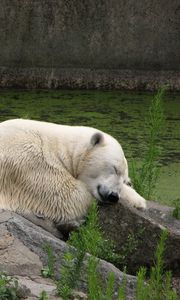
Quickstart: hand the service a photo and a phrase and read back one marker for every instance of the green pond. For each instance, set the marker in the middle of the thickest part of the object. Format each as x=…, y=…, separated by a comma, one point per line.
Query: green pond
x=121, y=114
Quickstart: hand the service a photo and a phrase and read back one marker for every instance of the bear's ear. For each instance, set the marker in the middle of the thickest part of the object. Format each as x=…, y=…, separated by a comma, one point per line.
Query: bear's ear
x=97, y=139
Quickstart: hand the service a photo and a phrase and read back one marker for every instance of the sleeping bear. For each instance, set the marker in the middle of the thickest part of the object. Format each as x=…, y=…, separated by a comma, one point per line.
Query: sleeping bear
x=56, y=170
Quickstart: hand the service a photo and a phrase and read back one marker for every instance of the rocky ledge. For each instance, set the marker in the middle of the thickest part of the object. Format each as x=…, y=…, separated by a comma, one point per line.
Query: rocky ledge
x=22, y=255
x=142, y=228
x=133, y=231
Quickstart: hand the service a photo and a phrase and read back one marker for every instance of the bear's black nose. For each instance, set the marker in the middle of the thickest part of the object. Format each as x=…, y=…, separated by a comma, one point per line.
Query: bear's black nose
x=113, y=197
x=106, y=196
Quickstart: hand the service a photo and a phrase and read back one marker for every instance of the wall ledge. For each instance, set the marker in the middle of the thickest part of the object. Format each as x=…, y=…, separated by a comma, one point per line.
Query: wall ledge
x=79, y=78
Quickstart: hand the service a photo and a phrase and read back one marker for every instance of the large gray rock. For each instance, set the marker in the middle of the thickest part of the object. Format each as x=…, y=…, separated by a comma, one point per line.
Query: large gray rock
x=21, y=254
x=136, y=234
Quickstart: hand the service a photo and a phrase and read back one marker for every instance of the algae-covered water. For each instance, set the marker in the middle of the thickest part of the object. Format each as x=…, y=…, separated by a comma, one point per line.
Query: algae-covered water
x=121, y=114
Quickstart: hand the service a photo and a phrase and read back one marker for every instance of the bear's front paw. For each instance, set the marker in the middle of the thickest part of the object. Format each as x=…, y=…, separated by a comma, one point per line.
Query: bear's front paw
x=140, y=203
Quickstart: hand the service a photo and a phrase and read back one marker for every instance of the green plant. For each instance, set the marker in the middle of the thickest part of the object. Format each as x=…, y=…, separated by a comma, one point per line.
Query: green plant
x=94, y=280
x=110, y=286
x=158, y=269
x=141, y=289
x=176, y=211
x=96, y=289
x=43, y=296
x=70, y=272
x=49, y=270
x=145, y=178
x=8, y=287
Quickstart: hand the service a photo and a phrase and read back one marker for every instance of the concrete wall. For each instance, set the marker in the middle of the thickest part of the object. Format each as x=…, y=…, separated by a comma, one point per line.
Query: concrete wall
x=56, y=37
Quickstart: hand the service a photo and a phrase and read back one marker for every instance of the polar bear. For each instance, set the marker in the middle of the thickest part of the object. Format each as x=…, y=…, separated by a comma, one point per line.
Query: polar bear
x=56, y=170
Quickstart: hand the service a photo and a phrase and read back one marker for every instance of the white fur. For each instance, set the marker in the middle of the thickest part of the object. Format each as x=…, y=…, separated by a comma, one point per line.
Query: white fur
x=54, y=170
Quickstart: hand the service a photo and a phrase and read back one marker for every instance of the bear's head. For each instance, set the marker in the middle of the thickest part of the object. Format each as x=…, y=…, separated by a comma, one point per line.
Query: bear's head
x=104, y=169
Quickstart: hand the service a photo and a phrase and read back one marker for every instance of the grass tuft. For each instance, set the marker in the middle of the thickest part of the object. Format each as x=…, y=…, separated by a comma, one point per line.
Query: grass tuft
x=49, y=271
x=43, y=296
x=8, y=287
x=94, y=280
x=145, y=178
x=176, y=211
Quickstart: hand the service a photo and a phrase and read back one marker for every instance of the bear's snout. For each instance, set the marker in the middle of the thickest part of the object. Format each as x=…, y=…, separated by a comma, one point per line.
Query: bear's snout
x=113, y=197
x=106, y=196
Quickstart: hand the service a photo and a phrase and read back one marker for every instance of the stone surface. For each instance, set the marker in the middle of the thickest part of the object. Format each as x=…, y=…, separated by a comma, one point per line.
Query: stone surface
x=37, y=286
x=15, y=258
x=144, y=229
x=21, y=239
x=89, y=44
x=90, y=34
